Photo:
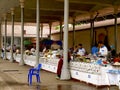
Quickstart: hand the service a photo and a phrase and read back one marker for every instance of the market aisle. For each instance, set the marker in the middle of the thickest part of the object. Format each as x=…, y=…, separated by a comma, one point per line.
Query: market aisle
x=14, y=77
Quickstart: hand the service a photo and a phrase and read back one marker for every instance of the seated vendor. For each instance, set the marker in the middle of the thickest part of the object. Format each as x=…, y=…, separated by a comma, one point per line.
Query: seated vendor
x=113, y=51
x=81, y=50
x=32, y=50
x=103, y=51
x=27, y=52
x=17, y=51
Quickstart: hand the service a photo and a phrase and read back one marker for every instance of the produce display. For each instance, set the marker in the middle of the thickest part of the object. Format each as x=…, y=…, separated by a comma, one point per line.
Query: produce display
x=85, y=67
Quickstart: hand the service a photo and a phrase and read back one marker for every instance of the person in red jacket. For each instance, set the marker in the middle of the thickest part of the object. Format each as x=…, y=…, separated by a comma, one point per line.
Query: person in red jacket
x=59, y=68
x=60, y=64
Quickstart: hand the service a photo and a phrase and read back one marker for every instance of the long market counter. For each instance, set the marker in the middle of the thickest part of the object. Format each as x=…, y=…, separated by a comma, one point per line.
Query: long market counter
x=87, y=72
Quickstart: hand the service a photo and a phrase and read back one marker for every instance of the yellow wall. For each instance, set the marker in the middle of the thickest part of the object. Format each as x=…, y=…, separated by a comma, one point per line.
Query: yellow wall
x=83, y=37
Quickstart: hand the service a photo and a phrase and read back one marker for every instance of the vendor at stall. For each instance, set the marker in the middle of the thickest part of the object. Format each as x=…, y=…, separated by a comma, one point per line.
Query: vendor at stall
x=32, y=50
x=103, y=51
x=81, y=50
x=113, y=51
x=94, y=50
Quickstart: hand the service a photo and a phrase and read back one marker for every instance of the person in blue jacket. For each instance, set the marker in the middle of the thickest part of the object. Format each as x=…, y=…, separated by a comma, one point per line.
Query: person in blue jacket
x=95, y=50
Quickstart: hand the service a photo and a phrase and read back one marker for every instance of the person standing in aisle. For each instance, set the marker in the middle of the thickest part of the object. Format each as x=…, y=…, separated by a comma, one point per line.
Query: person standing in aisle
x=60, y=64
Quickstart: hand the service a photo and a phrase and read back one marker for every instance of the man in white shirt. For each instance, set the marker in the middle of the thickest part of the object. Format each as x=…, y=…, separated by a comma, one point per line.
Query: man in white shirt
x=81, y=50
x=103, y=51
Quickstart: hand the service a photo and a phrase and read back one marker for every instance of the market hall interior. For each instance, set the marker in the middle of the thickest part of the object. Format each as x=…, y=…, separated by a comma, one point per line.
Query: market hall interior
x=79, y=12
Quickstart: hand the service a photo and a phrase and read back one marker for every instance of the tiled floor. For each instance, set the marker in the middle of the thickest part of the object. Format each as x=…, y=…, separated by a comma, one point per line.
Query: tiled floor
x=14, y=77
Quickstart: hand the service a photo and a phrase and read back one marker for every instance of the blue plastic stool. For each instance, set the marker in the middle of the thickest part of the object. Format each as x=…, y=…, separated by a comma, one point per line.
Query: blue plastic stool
x=36, y=72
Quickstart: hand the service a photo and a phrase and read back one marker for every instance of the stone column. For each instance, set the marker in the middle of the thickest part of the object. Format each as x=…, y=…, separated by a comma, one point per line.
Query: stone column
x=41, y=31
x=115, y=27
x=65, y=74
x=38, y=30
x=50, y=27
x=74, y=36
x=5, y=36
x=12, y=36
x=92, y=30
x=61, y=31
x=0, y=36
x=22, y=32
x=73, y=31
